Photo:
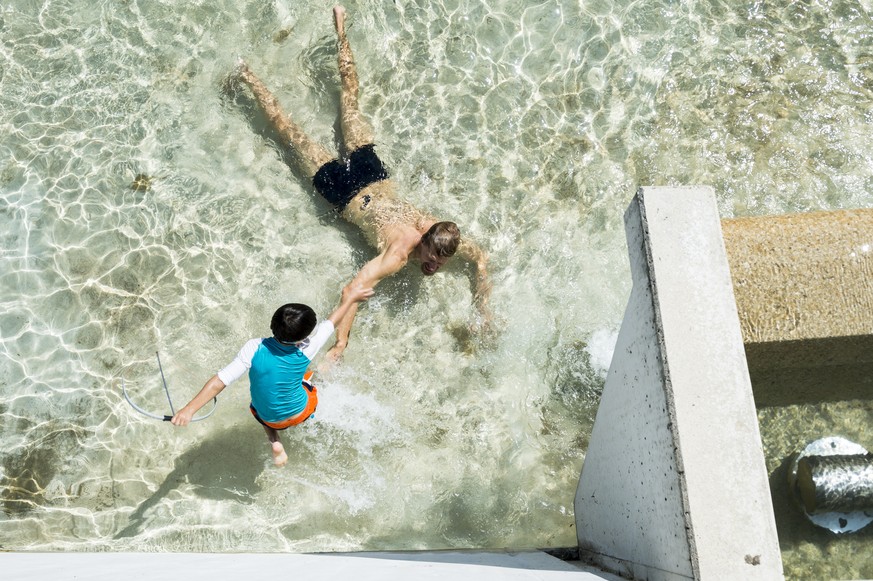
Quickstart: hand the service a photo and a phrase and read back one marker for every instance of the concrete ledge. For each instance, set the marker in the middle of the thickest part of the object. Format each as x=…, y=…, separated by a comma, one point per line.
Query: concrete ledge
x=802, y=276
x=674, y=484
x=804, y=291
x=436, y=565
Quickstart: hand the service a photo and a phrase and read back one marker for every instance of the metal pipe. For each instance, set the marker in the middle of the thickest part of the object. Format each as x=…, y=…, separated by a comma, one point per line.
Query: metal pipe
x=837, y=483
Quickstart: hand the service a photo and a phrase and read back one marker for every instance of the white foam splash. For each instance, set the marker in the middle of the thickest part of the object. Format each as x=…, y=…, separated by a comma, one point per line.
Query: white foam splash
x=601, y=346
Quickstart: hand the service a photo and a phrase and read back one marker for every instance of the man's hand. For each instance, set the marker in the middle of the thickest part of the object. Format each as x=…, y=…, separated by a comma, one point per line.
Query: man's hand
x=356, y=293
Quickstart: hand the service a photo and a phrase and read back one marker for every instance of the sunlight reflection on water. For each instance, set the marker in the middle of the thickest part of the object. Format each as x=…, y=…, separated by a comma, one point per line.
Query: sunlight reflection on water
x=529, y=124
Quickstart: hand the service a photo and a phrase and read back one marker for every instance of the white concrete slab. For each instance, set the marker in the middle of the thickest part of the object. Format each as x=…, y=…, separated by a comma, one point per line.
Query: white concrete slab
x=418, y=566
x=674, y=484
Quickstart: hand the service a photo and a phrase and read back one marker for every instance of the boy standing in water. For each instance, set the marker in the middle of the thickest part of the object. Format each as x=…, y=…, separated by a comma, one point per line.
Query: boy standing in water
x=281, y=393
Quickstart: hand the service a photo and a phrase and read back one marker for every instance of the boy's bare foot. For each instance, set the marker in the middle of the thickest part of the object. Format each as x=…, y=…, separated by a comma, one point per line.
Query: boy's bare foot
x=280, y=458
x=339, y=18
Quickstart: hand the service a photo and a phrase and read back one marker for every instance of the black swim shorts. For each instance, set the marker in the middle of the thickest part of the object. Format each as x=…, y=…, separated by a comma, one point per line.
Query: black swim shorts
x=340, y=181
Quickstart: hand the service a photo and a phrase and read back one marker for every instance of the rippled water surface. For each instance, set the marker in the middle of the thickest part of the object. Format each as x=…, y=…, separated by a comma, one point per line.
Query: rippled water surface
x=528, y=123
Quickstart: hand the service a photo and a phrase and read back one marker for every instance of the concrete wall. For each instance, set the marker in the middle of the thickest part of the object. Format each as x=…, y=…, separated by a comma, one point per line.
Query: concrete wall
x=674, y=484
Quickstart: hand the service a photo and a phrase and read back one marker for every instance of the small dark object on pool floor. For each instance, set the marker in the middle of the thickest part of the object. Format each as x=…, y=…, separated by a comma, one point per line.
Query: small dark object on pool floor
x=282, y=35
x=141, y=183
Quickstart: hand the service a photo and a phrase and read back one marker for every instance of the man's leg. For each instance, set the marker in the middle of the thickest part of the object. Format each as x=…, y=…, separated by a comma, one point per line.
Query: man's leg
x=312, y=155
x=280, y=458
x=356, y=130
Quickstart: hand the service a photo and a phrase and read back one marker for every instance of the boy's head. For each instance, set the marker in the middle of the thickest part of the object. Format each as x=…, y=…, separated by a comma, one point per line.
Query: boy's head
x=292, y=322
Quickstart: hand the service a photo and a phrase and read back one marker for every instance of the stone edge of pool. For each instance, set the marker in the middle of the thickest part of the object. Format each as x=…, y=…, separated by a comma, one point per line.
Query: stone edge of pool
x=530, y=565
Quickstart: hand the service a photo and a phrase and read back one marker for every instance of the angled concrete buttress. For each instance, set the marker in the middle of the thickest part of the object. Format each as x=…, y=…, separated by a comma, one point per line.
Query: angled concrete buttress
x=674, y=484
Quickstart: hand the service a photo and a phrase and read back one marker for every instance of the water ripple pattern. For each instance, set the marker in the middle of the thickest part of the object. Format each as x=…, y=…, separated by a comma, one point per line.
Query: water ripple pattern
x=144, y=207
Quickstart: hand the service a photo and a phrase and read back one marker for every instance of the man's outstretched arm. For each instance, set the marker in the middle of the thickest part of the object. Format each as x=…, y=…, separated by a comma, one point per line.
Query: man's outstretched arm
x=389, y=262
x=471, y=252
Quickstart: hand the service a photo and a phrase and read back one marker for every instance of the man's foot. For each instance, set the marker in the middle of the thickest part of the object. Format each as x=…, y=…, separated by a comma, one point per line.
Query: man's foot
x=280, y=458
x=339, y=19
x=229, y=84
x=241, y=70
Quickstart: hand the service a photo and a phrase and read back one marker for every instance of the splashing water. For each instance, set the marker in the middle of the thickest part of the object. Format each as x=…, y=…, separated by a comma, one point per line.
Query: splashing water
x=142, y=207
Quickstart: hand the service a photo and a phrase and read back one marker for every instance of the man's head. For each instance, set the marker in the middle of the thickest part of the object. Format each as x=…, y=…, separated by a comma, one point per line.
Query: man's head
x=437, y=245
x=292, y=322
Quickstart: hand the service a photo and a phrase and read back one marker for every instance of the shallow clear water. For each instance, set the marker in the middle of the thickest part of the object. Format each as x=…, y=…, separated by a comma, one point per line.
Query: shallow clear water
x=530, y=124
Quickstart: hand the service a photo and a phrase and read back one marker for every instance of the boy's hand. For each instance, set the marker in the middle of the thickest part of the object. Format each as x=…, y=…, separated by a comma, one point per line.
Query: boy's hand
x=182, y=417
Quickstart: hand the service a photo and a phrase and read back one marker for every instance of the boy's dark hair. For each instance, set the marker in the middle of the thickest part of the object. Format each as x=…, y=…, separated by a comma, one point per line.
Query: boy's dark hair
x=292, y=322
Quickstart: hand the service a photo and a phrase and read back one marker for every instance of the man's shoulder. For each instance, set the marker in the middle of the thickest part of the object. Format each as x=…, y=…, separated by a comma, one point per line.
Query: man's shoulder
x=403, y=239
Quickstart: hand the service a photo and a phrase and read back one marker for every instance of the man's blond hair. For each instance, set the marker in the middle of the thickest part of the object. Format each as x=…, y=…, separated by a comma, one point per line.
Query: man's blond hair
x=443, y=237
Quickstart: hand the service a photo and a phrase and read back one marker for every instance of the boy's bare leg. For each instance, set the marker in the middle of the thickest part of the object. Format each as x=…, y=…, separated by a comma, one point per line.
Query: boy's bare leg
x=356, y=130
x=312, y=154
x=280, y=458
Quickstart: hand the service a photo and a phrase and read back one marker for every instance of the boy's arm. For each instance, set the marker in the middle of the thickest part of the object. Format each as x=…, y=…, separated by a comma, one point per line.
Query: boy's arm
x=210, y=390
x=241, y=363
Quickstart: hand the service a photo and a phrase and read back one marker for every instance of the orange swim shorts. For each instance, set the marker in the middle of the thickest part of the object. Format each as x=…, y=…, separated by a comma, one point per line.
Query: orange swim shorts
x=312, y=402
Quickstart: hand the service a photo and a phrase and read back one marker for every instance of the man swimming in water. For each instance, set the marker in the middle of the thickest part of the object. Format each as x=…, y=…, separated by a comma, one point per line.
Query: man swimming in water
x=359, y=186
